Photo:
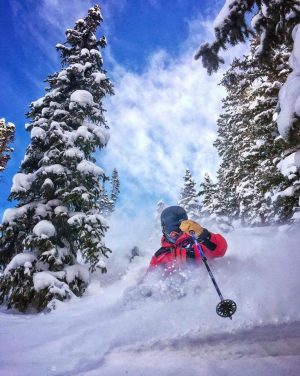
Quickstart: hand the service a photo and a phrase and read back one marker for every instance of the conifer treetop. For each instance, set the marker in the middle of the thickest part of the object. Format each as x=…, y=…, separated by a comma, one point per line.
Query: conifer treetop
x=188, y=196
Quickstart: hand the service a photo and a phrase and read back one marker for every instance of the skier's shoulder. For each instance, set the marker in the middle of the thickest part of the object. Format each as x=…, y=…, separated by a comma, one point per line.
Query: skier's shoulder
x=162, y=250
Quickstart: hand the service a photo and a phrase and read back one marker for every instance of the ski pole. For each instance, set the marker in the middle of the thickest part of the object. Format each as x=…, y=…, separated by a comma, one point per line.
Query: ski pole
x=204, y=259
x=226, y=307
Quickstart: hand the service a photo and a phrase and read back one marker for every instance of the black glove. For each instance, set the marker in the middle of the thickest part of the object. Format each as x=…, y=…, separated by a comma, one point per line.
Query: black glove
x=204, y=238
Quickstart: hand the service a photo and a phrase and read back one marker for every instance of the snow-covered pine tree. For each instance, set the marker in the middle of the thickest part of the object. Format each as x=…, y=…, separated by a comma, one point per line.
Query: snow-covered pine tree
x=7, y=133
x=59, y=185
x=213, y=209
x=108, y=202
x=232, y=126
x=261, y=181
x=189, y=198
x=249, y=142
x=257, y=174
x=275, y=22
x=208, y=191
x=115, y=187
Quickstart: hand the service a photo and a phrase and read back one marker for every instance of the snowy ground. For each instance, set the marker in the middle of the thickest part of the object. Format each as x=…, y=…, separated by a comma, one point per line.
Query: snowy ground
x=128, y=324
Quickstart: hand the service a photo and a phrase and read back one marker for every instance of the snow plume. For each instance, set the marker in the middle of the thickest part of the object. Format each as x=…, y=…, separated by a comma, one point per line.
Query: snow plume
x=128, y=325
x=163, y=121
x=127, y=231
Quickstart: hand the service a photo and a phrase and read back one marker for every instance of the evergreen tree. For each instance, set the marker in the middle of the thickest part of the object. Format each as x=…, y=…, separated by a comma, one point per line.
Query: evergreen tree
x=249, y=143
x=208, y=192
x=232, y=127
x=7, y=132
x=275, y=23
x=115, y=187
x=108, y=202
x=189, y=197
x=213, y=207
x=59, y=185
x=260, y=180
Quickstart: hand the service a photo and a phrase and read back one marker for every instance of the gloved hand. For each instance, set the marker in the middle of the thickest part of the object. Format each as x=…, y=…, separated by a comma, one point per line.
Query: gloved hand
x=189, y=226
x=202, y=234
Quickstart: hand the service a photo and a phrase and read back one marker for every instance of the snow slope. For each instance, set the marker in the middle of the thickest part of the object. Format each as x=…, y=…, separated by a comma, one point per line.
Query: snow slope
x=129, y=323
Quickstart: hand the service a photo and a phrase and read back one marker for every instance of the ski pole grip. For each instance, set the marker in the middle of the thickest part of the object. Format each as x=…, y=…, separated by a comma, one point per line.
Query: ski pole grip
x=197, y=244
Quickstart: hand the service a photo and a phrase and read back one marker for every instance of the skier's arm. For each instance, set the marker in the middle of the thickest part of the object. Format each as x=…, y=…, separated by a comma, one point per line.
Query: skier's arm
x=156, y=258
x=221, y=246
x=209, y=241
x=153, y=262
x=205, y=239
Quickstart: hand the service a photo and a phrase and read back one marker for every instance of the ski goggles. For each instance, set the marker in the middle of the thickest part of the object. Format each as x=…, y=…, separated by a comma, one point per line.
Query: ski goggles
x=172, y=236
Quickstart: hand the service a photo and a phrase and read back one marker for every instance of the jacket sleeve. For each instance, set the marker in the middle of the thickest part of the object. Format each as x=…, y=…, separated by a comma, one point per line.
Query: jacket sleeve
x=153, y=262
x=220, y=246
x=155, y=258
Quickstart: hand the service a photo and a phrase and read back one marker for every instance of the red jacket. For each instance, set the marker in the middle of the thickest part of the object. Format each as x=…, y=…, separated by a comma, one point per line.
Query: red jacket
x=184, y=250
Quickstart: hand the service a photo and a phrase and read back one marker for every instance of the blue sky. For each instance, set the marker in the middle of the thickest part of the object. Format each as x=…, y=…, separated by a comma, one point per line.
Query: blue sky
x=163, y=116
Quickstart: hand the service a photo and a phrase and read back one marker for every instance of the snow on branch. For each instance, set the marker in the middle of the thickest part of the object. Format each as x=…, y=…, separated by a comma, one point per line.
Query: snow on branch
x=272, y=21
x=230, y=28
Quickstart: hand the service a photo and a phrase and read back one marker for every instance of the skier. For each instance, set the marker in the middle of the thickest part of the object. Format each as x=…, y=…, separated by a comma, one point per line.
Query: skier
x=178, y=246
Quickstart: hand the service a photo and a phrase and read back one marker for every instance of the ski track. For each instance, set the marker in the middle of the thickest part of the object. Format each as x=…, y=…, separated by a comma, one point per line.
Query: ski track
x=268, y=340
x=276, y=345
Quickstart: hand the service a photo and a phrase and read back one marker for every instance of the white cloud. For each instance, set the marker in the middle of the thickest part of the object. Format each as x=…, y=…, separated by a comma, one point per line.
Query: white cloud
x=163, y=121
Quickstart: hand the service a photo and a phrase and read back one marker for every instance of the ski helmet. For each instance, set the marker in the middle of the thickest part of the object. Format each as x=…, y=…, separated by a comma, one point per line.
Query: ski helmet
x=171, y=218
